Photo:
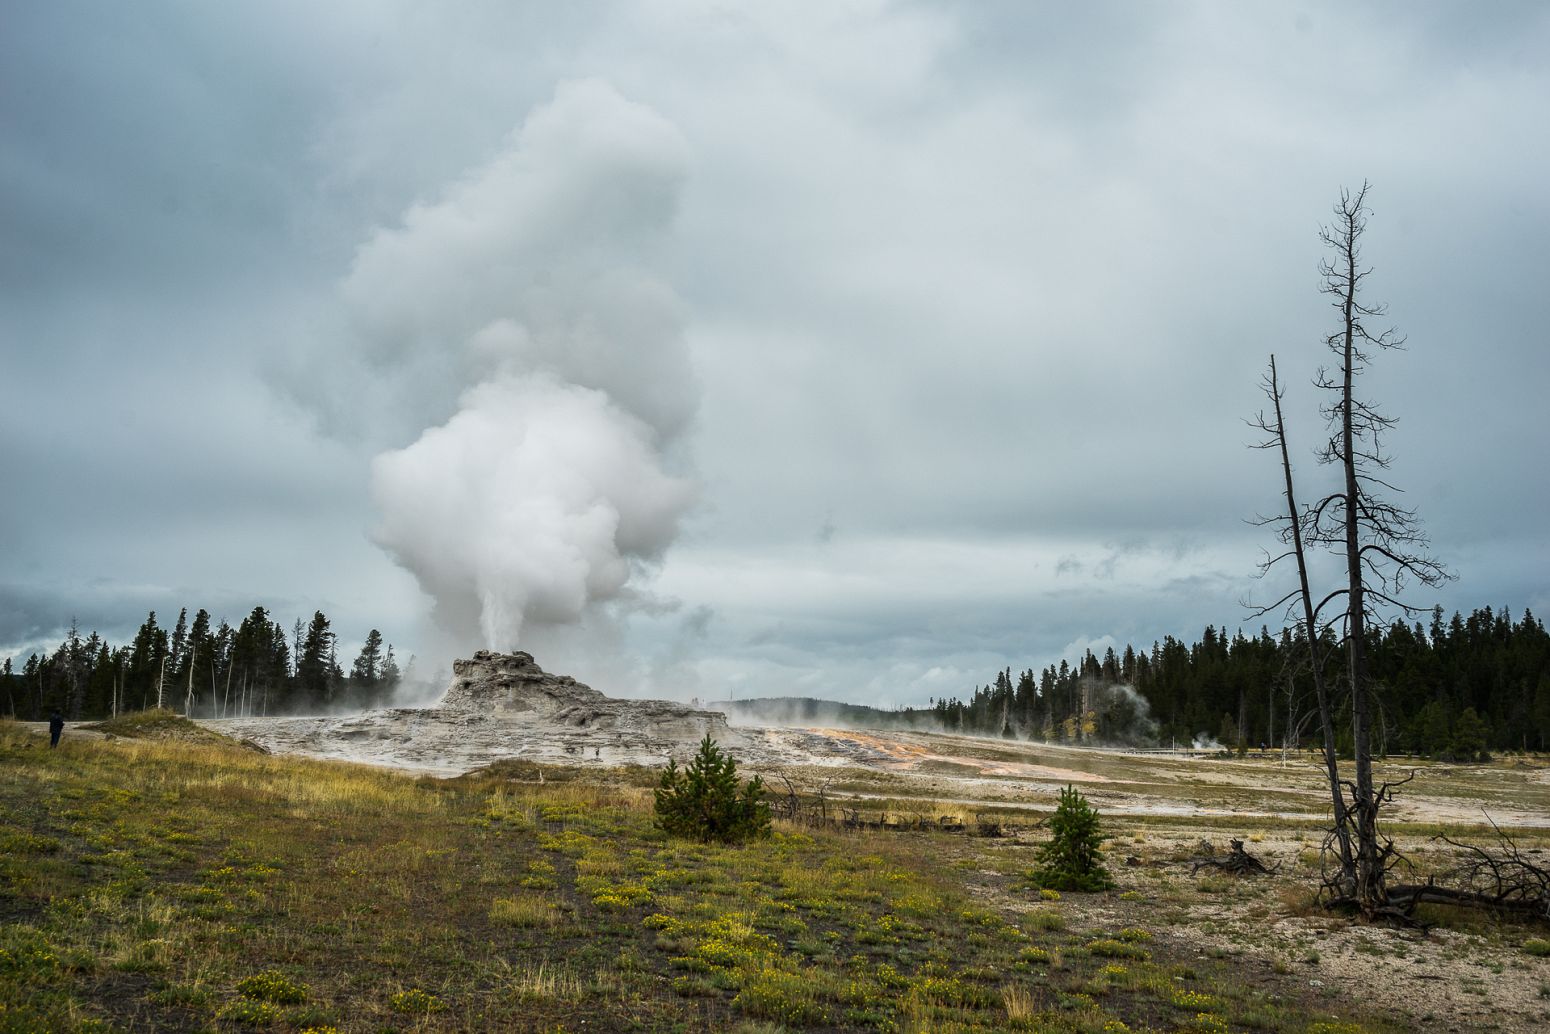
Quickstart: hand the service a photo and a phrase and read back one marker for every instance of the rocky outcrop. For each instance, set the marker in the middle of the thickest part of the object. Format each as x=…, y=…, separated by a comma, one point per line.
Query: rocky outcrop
x=503, y=683
x=512, y=687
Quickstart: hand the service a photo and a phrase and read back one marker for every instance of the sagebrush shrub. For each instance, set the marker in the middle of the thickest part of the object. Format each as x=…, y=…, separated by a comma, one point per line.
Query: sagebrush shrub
x=705, y=801
x=1071, y=860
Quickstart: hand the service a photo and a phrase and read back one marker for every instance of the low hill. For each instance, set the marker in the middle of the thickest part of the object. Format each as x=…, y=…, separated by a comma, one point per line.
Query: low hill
x=812, y=711
x=157, y=724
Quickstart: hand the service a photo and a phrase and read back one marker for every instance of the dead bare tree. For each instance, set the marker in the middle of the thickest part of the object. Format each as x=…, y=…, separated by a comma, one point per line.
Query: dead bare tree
x=790, y=806
x=1381, y=543
x=1300, y=602
x=813, y=810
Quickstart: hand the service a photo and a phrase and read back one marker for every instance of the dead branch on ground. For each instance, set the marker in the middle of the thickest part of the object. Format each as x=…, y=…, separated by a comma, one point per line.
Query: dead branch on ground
x=1500, y=880
x=1237, y=861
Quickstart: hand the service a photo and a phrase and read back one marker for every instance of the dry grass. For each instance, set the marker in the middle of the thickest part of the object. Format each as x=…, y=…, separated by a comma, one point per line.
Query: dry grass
x=546, y=982
x=526, y=910
x=1019, y=1004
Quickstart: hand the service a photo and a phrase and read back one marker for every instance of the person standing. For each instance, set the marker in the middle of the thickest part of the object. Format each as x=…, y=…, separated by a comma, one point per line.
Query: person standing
x=56, y=726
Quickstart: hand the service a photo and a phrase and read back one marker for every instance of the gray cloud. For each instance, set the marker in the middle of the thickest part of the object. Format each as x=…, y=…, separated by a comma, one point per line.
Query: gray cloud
x=987, y=288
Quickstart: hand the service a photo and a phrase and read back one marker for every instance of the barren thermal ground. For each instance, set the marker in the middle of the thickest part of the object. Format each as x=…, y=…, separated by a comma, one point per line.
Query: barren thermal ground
x=492, y=715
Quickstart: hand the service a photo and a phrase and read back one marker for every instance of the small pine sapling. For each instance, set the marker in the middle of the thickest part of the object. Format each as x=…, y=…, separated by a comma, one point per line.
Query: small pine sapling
x=1071, y=860
x=706, y=802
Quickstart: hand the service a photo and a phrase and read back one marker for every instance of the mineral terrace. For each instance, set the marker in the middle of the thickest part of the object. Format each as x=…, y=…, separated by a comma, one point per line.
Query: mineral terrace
x=502, y=706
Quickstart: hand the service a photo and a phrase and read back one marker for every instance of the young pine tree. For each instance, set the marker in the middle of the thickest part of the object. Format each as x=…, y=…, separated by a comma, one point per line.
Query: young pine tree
x=706, y=802
x=1070, y=861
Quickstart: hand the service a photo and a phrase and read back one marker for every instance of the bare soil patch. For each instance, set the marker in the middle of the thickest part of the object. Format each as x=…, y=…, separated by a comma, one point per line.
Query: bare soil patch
x=1468, y=973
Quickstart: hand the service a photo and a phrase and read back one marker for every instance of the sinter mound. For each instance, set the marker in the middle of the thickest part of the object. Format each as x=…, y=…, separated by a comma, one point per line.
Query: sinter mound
x=512, y=686
x=499, y=706
x=506, y=682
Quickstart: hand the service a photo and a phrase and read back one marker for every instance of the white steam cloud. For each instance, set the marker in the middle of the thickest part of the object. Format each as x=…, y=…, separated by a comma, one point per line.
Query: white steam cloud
x=527, y=292
x=526, y=505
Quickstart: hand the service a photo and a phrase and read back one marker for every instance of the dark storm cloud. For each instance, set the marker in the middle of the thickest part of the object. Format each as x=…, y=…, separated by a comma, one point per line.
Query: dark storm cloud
x=982, y=293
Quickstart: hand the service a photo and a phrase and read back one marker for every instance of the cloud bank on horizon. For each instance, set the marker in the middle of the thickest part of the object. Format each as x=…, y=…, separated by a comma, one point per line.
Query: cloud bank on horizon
x=858, y=349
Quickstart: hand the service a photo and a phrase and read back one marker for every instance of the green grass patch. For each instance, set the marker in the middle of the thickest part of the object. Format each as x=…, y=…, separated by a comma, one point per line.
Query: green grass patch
x=158, y=725
x=169, y=883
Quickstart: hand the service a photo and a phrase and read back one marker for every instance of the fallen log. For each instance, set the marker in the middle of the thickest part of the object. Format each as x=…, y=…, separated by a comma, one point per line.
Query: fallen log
x=1501, y=880
x=1406, y=896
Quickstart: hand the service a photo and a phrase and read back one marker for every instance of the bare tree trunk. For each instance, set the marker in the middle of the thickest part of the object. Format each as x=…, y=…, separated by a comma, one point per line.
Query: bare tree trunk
x=1341, y=827
x=1081, y=718
x=1243, y=715
x=1270, y=718
x=1369, y=876
x=1381, y=543
x=1291, y=719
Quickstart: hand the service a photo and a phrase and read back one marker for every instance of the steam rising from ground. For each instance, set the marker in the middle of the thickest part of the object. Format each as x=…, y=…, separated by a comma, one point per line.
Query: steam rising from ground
x=1128, y=716
x=808, y=712
x=528, y=290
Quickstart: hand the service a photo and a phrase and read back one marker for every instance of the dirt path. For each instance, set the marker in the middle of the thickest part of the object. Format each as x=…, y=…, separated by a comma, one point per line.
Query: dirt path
x=72, y=732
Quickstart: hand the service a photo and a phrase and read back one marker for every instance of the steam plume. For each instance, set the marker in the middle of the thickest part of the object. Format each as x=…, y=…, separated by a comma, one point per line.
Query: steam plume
x=527, y=290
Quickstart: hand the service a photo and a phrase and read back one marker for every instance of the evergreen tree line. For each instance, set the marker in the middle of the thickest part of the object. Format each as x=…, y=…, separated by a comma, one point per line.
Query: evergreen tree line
x=1452, y=689
x=256, y=668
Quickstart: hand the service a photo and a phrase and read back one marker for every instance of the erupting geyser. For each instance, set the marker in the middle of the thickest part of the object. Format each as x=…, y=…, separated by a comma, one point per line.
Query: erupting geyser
x=523, y=312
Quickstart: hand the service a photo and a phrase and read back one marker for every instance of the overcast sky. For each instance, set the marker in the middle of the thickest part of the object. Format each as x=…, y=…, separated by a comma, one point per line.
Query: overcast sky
x=854, y=349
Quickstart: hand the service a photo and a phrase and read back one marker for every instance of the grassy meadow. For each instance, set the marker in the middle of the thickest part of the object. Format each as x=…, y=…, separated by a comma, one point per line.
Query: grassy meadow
x=171, y=885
